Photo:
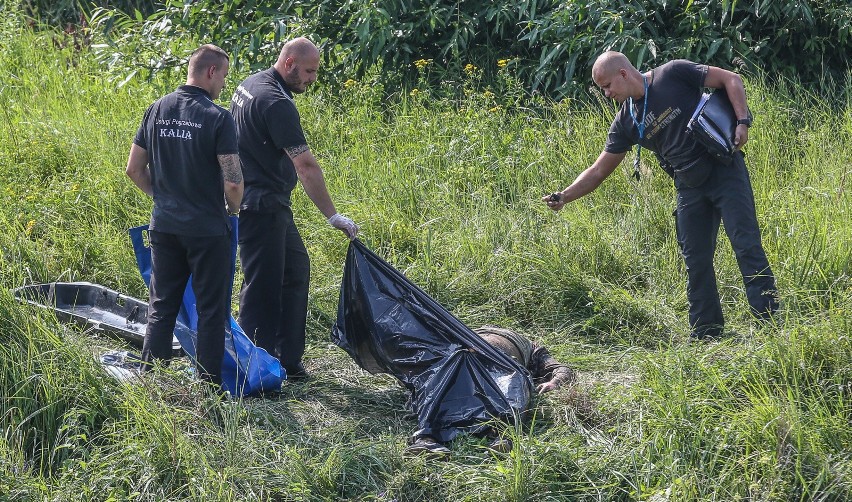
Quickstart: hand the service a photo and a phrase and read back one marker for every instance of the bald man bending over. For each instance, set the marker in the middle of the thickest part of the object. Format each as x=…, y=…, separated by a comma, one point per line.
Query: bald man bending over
x=655, y=108
x=275, y=154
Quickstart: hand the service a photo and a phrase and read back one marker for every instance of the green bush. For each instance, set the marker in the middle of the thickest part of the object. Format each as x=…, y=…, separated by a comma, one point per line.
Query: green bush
x=549, y=44
x=63, y=12
x=794, y=39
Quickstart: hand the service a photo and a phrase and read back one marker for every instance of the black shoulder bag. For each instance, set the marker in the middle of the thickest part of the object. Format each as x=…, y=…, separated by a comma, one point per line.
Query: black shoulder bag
x=713, y=124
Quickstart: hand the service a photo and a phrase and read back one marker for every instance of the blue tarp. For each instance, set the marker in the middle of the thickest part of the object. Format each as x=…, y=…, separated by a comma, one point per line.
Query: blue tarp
x=246, y=368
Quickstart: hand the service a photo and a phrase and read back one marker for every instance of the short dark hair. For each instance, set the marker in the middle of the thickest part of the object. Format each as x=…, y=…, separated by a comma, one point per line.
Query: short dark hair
x=206, y=56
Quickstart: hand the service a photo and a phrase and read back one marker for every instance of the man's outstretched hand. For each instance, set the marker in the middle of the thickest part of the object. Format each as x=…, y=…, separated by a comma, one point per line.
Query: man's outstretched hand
x=554, y=201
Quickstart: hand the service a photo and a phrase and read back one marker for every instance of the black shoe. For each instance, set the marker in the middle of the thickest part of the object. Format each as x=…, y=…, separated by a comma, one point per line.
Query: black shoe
x=707, y=333
x=428, y=448
x=297, y=374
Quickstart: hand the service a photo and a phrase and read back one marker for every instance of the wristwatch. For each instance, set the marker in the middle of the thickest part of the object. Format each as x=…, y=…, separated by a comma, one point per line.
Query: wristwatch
x=746, y=121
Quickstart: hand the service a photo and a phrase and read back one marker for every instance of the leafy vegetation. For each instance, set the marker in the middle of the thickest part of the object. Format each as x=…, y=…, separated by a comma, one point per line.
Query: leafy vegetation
x=549, y=44
x=448, y=192
x=67, y=13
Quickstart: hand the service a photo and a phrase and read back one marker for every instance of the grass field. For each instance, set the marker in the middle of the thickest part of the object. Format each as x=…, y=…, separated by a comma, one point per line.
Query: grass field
x=448, y=192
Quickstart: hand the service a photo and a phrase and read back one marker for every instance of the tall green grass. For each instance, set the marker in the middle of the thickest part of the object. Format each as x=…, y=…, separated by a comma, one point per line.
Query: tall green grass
x=449, y=193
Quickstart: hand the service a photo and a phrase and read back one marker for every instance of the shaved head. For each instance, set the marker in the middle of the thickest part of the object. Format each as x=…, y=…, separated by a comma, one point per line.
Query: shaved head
x=208, y=69
x=204, y=57
x=298, y=64
x=298, y=49
x=609, y=63
x=617, y=77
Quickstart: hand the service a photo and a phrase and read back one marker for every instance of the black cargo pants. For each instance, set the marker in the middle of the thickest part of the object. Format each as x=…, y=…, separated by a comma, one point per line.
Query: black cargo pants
x=274, y=295
x=726, y=196
x=173, y=259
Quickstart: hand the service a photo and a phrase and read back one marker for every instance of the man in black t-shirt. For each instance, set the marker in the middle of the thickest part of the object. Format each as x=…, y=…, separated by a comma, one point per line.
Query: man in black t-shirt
x=185, y=156
x=655, y=108
x=275, y=154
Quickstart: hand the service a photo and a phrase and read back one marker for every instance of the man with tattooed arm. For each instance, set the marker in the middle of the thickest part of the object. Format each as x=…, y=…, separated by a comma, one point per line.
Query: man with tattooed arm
x=185, y=156
x=275, y=154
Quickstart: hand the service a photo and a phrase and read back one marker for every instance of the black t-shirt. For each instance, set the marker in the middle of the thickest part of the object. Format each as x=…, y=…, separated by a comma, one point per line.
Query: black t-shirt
x=267, y=123
x=673, y=94
x=183, y=132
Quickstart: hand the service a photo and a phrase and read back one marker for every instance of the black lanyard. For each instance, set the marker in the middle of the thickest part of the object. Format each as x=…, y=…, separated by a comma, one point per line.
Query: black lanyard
x=640, y=126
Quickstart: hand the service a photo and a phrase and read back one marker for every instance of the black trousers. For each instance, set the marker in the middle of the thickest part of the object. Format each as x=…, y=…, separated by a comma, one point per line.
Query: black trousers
x=726, y=196
x=173, y=259
x=274, y=294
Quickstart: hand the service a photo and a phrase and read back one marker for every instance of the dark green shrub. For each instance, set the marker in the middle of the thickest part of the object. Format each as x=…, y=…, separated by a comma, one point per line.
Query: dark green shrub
x=805, y=40
x=62, y=12
x=551, y=44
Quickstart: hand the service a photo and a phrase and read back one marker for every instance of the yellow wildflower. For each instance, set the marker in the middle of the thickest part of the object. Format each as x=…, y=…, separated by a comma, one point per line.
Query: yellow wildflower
x=502, y=63
x=349, y=83
x=414, y=92
x=30, y=226
x=488, y=95
x=422, y=63
x=470, y=68
x=495, y=109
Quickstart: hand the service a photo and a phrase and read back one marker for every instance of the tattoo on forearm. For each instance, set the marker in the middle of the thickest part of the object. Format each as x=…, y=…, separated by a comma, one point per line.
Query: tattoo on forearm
x=231, y=170
x=295, y=151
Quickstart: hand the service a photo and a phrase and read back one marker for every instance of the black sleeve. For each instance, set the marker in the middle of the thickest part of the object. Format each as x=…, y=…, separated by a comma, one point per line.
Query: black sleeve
x=620, y=137
x=227, y=135
x=693, y=74
x=284, y=125
x=142, y=133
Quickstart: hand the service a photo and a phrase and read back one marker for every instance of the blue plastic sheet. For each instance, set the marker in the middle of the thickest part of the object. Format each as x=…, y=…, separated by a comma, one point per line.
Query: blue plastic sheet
x=246, y=368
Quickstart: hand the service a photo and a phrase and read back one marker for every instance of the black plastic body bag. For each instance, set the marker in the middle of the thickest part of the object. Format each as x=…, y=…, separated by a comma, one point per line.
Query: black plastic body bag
x=458, y=382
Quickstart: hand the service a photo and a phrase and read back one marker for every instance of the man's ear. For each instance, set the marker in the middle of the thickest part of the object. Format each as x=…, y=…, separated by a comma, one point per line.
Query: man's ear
x=211, y=70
